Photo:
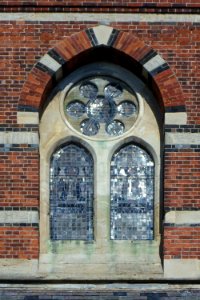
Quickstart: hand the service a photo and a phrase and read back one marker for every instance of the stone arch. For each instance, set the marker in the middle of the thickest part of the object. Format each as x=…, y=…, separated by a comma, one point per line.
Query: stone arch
x=53, y=65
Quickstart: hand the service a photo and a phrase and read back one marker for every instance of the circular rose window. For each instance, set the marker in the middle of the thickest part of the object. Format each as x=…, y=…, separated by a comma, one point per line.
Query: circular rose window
x=101, y=107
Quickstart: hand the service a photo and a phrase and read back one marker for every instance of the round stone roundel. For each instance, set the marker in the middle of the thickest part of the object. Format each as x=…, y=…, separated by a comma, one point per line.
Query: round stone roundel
x=101, y=107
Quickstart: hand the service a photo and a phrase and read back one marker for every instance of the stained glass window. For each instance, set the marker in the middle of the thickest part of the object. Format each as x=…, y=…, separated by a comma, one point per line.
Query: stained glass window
x=71, y=194
x=101, y=106
x=132, y=193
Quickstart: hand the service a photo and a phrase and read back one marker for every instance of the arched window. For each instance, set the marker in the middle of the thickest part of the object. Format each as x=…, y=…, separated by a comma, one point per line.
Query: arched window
x=71, y=194
x=104, y=220
x=132, y=194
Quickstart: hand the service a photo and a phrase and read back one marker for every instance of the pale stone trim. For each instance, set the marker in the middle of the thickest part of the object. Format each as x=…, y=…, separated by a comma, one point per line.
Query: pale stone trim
x=19, y=138
x=51, y=63
x=102, y=18
x=102, y=271
x=19, y=216
x=29, y=269
x=26, y=117
x=182, y=269
x=154, y=63
x=177, y=118
x=182, y=138
x=102, y=34
x=99, y=286
x=183, y=217
x=18, y=269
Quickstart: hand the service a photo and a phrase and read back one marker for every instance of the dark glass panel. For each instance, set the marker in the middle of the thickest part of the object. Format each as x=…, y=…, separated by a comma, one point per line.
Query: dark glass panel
x=132, y=193
x=71, y=194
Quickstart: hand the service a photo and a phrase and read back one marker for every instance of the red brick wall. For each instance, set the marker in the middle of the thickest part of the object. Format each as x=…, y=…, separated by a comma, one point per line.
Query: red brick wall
x=19, y=242
x=182, y=179
x=19, y=172
x=182, y=242
x=23, y=43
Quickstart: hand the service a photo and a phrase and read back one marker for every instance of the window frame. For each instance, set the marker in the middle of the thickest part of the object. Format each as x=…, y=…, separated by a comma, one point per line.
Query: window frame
x=112, y=259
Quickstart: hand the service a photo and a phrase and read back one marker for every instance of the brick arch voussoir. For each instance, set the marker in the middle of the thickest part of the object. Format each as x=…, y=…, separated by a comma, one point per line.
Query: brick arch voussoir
x=49, y=70
x=154, y=69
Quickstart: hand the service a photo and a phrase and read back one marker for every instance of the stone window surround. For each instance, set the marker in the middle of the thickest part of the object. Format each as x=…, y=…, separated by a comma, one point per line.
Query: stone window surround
x=102, y=259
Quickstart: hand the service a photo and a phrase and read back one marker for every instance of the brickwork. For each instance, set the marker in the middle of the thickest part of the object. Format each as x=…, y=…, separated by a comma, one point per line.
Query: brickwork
x=28, y=42
x=165, y=83
x=181, y=242
x=182, y=180
x=175, y=6
x=19, y=190
x=39, y=38
x=19, y=242
x=26, y=82
x=19, y=181
x=182, y=185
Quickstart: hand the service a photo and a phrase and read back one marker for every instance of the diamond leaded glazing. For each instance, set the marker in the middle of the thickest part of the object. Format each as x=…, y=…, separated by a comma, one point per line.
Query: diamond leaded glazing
x=132, y=175
x=71, y=194
x=101, y=106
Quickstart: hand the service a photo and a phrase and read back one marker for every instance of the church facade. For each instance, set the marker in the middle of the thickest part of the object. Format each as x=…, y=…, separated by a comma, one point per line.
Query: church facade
x=100, y=131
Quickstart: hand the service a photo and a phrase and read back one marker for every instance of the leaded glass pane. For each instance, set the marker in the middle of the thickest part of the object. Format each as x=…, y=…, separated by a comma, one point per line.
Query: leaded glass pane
x=132, y=193
x=88, y=90
x=97, y=107
x=75, y=109
x=71, y=194
x=101, y=109
x=115, y=128
x=127, y=109
x=89, y=127
x=113, y=90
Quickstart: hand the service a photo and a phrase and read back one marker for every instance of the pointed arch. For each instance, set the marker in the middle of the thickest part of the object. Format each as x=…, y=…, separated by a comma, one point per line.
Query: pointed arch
x=71, y=193
x=132, y=194
x=56, y=64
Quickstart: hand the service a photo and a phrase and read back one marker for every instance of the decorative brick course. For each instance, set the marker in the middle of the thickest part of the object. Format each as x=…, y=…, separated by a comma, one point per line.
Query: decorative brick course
x=40, y=80
x=182, y=128
x=101, y=6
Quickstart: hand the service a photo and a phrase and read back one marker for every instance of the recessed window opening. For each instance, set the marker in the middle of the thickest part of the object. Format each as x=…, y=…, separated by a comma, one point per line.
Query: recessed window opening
x=132, y=194
x=101, y=187
x=71, y=194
